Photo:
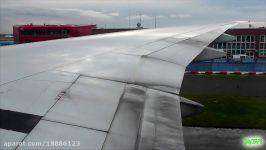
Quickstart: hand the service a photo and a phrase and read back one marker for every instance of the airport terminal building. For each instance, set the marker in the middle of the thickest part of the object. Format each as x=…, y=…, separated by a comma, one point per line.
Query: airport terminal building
x=250, y=41
x=34, y=33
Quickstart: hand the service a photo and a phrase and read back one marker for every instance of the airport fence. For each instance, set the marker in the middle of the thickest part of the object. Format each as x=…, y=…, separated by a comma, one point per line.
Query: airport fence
x=252, y=65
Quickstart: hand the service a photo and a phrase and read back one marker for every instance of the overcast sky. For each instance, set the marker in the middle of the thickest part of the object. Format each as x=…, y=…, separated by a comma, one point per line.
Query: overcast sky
x=116, y=13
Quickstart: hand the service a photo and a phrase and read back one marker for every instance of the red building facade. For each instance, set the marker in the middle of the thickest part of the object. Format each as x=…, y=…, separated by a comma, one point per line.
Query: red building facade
x=33, y=33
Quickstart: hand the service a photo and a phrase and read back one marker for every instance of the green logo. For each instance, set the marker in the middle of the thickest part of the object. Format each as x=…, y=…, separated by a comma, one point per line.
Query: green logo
x=253, y=141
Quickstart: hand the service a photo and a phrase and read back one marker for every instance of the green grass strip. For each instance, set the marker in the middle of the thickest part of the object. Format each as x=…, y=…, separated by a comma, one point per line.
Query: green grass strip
x=229, y=112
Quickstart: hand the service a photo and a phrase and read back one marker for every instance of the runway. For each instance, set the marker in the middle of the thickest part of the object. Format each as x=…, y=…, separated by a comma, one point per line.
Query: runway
x=224, y=85
x=197, y=138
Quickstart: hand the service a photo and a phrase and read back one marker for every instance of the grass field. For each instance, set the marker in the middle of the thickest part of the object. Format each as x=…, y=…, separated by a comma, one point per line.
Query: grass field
x=229, y=112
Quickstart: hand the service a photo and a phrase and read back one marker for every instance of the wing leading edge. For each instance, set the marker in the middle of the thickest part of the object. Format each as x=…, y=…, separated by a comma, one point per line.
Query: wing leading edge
x=123, y=96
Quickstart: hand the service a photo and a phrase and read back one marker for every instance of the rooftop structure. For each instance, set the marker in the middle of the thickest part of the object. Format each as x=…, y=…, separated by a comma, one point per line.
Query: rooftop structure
x=33, y=33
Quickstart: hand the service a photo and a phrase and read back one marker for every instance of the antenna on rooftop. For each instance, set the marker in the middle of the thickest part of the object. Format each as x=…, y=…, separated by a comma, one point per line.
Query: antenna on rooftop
x=129, y=22
x=129, y=19
x=155, y=22
x=139, y=23
x=265, y=13
x=140, y=17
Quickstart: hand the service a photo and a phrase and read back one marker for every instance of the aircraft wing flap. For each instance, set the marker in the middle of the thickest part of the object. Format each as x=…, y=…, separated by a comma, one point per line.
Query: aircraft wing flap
x=146, y=119
x=161, y=126
x=124, y=131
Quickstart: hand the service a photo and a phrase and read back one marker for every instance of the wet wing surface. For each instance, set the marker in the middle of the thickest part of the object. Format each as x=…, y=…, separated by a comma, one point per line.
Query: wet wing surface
x=109, y=114
x=105, y=97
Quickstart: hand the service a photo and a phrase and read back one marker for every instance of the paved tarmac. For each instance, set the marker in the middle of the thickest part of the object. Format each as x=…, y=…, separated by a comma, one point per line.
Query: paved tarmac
x=197, y=138
x=217, y=85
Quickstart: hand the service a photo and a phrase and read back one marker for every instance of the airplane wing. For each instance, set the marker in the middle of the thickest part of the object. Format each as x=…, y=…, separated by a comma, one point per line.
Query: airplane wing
x=115, y=91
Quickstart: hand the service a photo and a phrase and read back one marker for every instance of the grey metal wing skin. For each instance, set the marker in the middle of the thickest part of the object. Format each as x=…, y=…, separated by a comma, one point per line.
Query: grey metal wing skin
x=114, y=91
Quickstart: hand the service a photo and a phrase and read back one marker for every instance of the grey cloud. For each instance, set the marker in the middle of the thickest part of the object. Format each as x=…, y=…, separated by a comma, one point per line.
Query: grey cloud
x=82, y=13
x=115, y=13
x=143, y=17
x=160, y=17
x=182, y=16
x=11, y=15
